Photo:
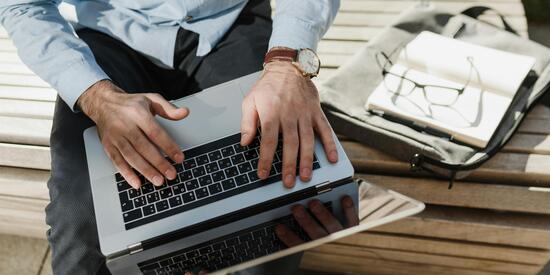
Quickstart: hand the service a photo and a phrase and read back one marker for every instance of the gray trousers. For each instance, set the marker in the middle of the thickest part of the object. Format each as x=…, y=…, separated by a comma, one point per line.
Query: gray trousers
x=70, y=214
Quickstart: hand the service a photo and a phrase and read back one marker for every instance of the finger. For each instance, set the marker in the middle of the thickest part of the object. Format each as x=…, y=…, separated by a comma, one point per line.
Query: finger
x=124, y=168
x=325, y=133
x=160, y=137
x=165, y=109
x=307, y=142
x=141, y=165
x=291, y=144
x=202, y=272
x=268, y=145
x=310, y=226
x=326, y=218
x=286, y=236
x=145, y=148
x=348, y=207
x=249, y=122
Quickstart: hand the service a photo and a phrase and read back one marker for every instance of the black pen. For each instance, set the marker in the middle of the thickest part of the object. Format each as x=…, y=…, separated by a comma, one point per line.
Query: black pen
x=412, y=124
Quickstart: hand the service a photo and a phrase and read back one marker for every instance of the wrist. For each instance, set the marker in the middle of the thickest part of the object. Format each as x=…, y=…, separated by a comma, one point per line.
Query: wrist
x=95, y=95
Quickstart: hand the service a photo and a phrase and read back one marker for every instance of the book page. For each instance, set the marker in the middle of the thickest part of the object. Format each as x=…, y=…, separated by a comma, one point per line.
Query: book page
x=489, y=69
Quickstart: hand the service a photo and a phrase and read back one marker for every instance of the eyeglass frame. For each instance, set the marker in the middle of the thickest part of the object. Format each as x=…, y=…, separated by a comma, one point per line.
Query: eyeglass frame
x=385, y=72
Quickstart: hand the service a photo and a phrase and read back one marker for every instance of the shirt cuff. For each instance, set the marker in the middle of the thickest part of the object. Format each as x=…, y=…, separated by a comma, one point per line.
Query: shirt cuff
x=294, y=33
x=74, y=81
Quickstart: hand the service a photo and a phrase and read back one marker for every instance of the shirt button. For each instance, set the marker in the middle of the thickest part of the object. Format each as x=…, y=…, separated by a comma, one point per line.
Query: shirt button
x=188, y=18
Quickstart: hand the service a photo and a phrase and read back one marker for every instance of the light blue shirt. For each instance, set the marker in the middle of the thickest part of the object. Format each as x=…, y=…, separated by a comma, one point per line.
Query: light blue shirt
x=47, y=44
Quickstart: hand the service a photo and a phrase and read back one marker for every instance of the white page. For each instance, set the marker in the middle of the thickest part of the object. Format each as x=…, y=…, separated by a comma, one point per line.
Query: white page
x=499, y=71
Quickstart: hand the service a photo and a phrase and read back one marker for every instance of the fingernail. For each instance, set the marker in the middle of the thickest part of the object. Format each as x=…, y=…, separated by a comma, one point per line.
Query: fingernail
x=333, y=156
x=178, y=158
x=170, y=174
x=289, y=179
x=158, y=180
x=135, y=182
x=306, y=172
x=243, y=137
x=262, y=174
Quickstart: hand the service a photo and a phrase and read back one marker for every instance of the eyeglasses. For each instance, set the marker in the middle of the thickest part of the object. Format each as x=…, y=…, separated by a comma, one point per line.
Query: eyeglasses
x=403, y=86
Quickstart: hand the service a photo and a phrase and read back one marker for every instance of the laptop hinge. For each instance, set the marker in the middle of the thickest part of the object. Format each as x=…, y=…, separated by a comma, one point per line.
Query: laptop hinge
x=323, y=187
x=135, y=248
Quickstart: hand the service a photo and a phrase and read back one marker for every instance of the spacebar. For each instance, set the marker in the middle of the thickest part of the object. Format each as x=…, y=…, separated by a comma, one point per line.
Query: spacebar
x=211, y=199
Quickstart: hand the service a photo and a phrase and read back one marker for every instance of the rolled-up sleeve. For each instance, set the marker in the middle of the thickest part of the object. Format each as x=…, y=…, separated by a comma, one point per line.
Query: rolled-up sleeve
x=301, y=24
x=48, y=45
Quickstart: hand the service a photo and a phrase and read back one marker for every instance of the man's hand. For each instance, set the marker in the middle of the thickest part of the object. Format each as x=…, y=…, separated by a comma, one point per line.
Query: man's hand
x=284, y=100
x=329, y=224
x=129, y=133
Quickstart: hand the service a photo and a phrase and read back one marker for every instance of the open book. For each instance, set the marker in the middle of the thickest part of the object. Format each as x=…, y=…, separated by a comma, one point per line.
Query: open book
x=451, y=87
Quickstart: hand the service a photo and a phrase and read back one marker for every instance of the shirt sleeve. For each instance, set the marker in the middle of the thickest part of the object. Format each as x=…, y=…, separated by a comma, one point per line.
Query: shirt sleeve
x=301, y=24
x=48, y=45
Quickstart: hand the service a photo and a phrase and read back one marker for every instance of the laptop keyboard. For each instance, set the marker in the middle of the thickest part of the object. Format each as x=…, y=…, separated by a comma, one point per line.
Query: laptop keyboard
x=229, y=250
x=210, y=172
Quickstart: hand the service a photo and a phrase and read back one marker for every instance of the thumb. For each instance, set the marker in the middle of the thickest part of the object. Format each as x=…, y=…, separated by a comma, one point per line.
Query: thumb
x=249, y=122
x=165, y=109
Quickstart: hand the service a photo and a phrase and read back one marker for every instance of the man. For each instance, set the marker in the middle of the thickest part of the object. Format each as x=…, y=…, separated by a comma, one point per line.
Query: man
x=129, y=57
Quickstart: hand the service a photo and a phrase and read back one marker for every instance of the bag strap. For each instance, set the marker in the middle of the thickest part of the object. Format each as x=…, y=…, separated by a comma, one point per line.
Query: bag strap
x=476, y=11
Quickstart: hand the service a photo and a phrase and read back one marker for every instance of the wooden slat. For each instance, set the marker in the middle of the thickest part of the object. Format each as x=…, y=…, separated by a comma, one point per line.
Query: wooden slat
x=24, y=183
x=27, y=93
x=468, y=194
x=25, y=130
x=25, y=216
x=427, y=259
x=508, y=168
x=22, y=80
x=357, y=265
x=476, y=225
x=448, y=247
x=25, y=156
x=27, y=109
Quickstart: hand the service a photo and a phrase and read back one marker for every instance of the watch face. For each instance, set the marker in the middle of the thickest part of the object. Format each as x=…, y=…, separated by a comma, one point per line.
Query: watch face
x=309, y=62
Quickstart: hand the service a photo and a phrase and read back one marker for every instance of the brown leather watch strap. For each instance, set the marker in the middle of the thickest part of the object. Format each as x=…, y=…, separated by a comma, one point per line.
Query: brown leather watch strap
x=280, y=54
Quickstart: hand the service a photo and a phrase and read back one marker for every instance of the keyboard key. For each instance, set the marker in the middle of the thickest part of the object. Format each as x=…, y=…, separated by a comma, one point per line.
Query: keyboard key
x=164, y=185
x=272, y=171
x=174, y=181
x=149, y=210
x=201, y=193
x=189, y=164
x=165, y=193
x=123, y=185
x=179, y=167
x=178, y=189
x=185, y=176
x=162, y=205
x=232, y=242
x=175, y=201
x=244, y=167
x=218, y=246
x=316, y=165
x=123, y=197
x=238, y=158
x=228, y=184
x=220, y=175
x=188, y=197
x=254, y=163
x=253, y=176
x=206, y=250
x=119, y=177
x=278, y=167
x=199, y=172
x=140, y=201
x=205, y=180
x=147, y=188
x=224, y=163
x=228, y=151
x=202, y=160
x=192, y=184
x=251, y=154
x=238, y=148
x=255, y=143
x=231, y=172
x=127, y=206
x=132, y=215
x=215, y=155
x=215, y=188
x=153, y=197
x=133, y=193
x=211, y=167
x=279, y=155
x=192, y=254
x=246, y=237
x=241, y=180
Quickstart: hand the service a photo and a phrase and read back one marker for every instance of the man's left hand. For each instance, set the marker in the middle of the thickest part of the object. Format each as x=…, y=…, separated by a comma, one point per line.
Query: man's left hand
x=284, y=100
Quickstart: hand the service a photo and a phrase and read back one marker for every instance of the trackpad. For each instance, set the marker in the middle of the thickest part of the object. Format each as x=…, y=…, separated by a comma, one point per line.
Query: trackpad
x=214, y=113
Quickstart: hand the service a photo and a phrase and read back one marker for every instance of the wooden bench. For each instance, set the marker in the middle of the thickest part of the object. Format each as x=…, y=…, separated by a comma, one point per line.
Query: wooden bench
x=495, y=221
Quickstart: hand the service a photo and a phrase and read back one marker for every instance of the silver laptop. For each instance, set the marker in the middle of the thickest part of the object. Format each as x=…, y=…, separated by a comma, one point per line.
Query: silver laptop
x=216, y=193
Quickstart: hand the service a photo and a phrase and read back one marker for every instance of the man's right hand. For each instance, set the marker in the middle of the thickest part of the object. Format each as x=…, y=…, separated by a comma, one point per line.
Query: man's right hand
x=130, y=135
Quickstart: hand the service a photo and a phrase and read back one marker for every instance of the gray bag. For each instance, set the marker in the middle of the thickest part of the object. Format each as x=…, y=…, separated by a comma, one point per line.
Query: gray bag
x=344, y=94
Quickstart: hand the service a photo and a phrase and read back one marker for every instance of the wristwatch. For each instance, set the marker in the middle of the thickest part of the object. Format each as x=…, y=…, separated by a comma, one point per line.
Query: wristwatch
x=306, y=60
